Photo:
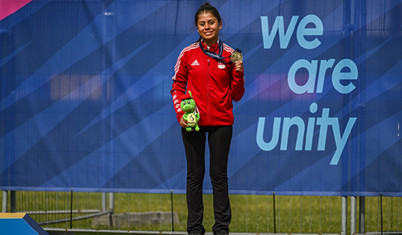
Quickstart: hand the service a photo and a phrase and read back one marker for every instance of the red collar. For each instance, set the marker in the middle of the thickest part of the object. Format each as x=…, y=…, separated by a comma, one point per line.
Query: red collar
x=213, y=48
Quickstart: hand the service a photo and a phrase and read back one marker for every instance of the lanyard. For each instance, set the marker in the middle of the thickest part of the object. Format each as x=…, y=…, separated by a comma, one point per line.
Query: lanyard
x=213, y=54
x=217, y=56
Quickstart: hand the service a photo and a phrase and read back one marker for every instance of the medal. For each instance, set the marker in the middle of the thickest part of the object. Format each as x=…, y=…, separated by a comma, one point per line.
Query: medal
x=236, y=56
x=191, y=119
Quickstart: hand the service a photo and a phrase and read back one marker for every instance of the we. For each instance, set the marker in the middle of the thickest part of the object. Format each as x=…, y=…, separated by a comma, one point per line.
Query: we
x=310, y=25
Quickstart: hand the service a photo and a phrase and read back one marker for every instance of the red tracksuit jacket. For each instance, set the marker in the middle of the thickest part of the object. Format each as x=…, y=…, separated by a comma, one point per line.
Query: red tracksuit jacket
x=213, y=84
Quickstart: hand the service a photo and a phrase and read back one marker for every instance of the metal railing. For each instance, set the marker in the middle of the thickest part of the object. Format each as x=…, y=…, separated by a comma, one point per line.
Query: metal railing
x=166, y=213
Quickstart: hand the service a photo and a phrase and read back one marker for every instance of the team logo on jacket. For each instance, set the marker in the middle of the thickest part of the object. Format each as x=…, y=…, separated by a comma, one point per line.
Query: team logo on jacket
x=195, y=63
x=221, y=65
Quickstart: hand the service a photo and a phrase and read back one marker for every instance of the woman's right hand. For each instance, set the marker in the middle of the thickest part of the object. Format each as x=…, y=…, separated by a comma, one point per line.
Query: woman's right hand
x=183, y=123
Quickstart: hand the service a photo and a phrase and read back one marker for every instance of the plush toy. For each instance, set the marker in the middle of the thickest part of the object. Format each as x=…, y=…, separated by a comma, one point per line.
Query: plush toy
x=191, y=116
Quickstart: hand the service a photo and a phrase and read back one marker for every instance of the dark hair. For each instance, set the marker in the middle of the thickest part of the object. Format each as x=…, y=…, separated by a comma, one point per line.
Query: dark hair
x=207, y=7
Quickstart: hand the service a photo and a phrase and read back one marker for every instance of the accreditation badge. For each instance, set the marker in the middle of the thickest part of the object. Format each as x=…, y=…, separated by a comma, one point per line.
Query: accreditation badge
x=191, y=119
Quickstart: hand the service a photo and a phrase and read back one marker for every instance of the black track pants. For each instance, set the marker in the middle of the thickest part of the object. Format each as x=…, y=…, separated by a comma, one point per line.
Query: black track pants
x=219, y=138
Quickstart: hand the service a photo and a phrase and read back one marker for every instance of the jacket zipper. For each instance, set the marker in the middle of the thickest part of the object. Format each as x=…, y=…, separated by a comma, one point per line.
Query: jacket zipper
x=208, y=90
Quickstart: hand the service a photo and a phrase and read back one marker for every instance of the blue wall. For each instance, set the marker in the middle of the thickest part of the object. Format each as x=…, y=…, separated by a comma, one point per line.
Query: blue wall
x=85, y=96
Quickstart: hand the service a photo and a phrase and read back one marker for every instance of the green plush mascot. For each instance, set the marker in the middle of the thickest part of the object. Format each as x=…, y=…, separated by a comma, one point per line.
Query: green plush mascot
x=191, y=115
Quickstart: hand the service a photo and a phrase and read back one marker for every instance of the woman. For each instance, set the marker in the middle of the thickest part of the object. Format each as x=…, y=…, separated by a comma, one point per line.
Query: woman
x=205, y=69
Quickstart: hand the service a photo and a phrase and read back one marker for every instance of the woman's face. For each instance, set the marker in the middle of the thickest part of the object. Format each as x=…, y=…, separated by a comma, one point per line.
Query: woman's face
x=208, y=27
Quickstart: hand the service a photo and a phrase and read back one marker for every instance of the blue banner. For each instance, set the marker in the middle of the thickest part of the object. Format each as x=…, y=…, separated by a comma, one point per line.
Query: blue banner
x=85, y=98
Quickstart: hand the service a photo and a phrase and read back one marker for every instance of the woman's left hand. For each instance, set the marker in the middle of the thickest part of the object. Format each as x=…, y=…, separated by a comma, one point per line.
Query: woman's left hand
x=239, y=66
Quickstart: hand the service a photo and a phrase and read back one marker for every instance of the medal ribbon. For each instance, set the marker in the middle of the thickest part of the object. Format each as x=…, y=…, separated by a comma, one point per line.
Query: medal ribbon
x=217, y=56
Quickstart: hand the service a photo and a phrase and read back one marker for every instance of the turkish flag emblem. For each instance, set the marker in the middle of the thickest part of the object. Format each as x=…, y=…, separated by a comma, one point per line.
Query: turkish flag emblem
x=8, y=7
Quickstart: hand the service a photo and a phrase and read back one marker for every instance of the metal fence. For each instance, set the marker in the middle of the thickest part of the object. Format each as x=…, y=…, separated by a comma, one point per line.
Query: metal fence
x=166, y=213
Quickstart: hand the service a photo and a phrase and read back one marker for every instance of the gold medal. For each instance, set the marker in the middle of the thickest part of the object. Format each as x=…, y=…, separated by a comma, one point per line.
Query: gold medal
x=236, y=56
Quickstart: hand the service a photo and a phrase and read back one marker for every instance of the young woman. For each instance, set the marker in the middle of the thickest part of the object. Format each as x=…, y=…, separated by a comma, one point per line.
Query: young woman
x=205, y=69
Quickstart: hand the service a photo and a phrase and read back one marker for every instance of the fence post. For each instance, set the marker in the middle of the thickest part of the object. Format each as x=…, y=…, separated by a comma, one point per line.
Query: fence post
x=381, y=220
x=111, y=202
x=353, y=215
x=273, y=198
x=111, y=208
x=362, y=214
x=344, y=215
x=4, y=204
x=171, y=208
x=103, y=201
x=13, y=200
x=71, y=208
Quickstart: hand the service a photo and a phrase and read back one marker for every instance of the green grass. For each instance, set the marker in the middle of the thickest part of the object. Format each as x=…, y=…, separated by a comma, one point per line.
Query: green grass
x=250, y=213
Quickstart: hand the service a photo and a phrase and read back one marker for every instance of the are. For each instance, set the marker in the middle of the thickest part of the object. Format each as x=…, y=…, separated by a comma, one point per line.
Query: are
x=342, y=75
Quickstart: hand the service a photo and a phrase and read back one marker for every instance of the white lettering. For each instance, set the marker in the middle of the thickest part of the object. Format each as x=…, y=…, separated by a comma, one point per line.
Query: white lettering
x=303, y=31
x=284, y=37
x=324, y=123
x=315, y=82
